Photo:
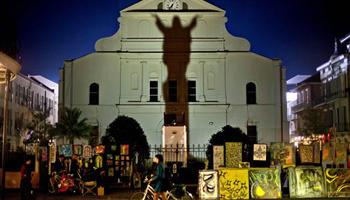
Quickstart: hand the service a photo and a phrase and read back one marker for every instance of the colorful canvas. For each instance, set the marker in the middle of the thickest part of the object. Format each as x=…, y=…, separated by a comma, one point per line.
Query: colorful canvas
x=52, y=153
x=289, y=155
x=233, y=154
x=306, y=182
x=100, y=149
x=328, y=154
x=341, y=155
x=78, y=149
x=233, y=183
x=208, y=186
x=317, y=152
x=98, y=162
x=124, y=149
x=282, y=154
x=110, y=171
x=337, y=182
x=265, y=183
x=66, y=150
x=218, y=156
x=260, y=152
x=87, y=151
x=114, y=147
x=306, y=153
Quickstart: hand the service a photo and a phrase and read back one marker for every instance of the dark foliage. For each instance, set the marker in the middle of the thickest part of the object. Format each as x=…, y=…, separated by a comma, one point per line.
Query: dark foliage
x=229, y=134
x=126, y=130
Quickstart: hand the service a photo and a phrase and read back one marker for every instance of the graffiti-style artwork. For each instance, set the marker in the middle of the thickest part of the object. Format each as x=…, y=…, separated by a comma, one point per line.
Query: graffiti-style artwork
x=341, y=155
x=208, y=185
x=265, y=183
x=282, y=154
x=327, y=155
x=306, y=153
x=233, y=183
x=306, y=182
x=66, y=150
x=260, y=152
x=98, y=162
x=87, y=151
x=218, y=156
x=78, y=149
x=124, y=149
x=52, y=152
x=99, y=149
x=337, y=182
x=233, y=154
x=317, y=152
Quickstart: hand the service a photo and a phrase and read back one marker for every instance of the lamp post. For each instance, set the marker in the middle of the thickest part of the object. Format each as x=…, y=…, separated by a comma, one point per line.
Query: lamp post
x=8, y=70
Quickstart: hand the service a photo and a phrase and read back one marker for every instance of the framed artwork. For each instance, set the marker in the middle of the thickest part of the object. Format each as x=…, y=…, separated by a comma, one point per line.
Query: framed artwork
x=114, y=148
x=282, y=154
x=317, y=152
x=306, y=153
x=124, y=149
x=109, y=156
x=98, y=162
x=78, y=149
x=66, y=150
x=111, y=172
x=306, y=182
x=233, y=183
x=341, y=155
x=233, y=154
x=218, y=156
x=208, y=184
x=265, y=183
x=87, y=151
x=337, y=182
x=259, y=152
x=52, y=152
x=100, y=149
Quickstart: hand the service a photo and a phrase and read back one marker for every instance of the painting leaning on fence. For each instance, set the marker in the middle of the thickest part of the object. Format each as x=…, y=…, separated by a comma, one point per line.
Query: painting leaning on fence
x=208, y=187
x=265, y=183
x=234, y=183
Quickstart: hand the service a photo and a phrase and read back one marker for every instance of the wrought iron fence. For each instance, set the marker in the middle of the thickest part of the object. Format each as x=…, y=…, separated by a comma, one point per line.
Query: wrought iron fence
x=180, y=153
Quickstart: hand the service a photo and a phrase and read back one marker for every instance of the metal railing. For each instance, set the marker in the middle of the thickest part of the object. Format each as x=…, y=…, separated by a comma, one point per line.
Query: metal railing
x=179, y=152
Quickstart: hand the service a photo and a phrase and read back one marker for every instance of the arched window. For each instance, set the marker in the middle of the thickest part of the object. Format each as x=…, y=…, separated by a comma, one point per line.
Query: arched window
x=251, y=93
x=94, y=94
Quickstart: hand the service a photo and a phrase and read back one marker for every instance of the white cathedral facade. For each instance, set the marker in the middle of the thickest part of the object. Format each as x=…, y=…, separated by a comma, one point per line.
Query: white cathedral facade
x=174, y=68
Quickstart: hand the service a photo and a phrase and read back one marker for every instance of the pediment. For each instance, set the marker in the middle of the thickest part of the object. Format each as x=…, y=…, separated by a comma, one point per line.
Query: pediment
x=155, y=5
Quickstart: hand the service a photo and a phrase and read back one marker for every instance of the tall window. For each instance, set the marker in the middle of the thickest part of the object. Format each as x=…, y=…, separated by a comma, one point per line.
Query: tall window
x=191, y=96
x=251, y=93
x=94, y=93
x=153, y=91
x=172, y=87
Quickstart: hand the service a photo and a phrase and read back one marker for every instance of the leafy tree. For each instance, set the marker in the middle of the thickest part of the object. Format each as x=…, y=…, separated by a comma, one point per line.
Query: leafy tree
x=228, y=134
x=312, y=121
x=39, y=126
x=126, y=130
x=70, y=126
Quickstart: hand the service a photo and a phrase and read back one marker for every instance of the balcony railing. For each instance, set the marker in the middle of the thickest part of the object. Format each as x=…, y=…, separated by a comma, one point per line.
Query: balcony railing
x=300, y=106
x=330, y=96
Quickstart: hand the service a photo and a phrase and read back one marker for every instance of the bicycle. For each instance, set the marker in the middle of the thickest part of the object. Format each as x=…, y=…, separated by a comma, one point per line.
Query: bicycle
x=178, y=192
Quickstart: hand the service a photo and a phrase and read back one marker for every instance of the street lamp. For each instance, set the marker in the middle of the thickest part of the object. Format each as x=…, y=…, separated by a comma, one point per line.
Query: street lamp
x=8, y=71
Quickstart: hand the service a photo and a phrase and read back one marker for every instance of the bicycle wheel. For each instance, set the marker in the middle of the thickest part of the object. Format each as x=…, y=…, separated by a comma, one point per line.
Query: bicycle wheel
x=137, y=196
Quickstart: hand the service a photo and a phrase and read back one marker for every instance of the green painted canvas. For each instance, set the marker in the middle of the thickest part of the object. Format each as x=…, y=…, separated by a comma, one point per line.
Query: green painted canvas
x=265, y=183
x=337, y=182
x=306, y=182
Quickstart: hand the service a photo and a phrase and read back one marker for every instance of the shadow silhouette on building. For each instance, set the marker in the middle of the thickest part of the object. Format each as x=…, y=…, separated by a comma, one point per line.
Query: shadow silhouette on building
x=176, y=56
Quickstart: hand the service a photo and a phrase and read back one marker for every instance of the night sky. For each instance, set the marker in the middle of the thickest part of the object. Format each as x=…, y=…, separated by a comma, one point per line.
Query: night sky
x=299, y=32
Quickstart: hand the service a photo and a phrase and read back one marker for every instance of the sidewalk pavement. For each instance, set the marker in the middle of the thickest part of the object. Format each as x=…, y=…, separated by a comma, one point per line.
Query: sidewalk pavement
x=114, y=195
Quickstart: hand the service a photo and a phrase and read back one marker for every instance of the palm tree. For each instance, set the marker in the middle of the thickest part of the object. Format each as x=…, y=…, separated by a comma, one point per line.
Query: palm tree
x=71, y=126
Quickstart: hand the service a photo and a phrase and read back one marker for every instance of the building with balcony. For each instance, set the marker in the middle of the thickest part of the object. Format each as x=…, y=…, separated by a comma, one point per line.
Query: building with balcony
x=28, y=94
x=180, y=74
x=334, y=75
